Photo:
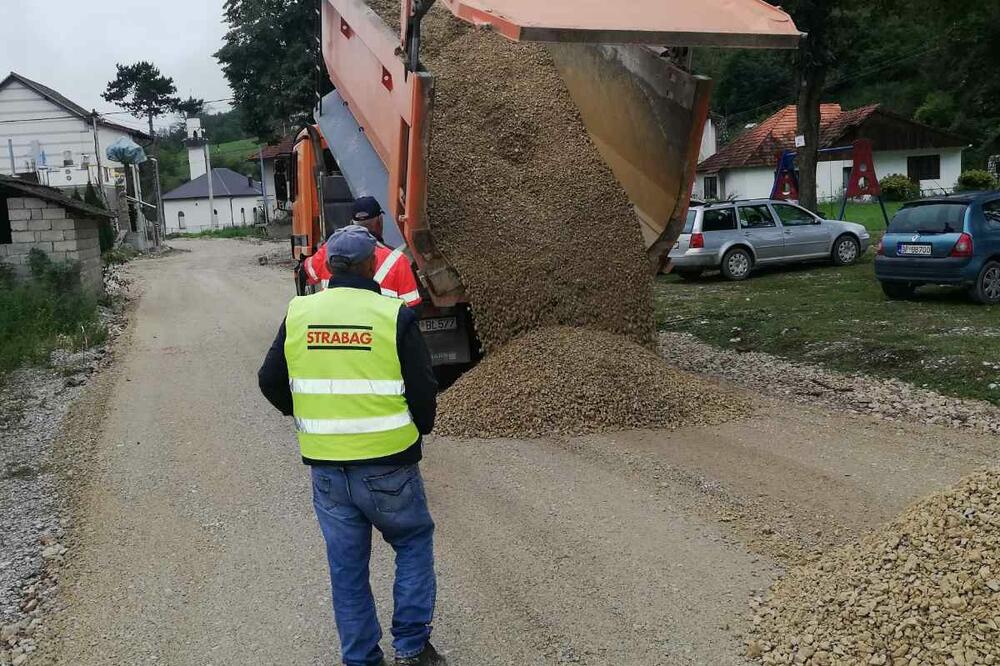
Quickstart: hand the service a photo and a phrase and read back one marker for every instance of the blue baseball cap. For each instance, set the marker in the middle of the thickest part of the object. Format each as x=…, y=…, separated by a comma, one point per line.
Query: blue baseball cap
x=366, y=208
x=352, y=243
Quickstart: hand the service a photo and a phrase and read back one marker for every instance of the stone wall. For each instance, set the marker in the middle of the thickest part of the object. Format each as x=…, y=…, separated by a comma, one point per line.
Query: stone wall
x=60, y=233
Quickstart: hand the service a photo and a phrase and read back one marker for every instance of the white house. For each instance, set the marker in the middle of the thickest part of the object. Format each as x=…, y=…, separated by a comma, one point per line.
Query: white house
x=744, y=168
x=236, y=199
x=61, y=143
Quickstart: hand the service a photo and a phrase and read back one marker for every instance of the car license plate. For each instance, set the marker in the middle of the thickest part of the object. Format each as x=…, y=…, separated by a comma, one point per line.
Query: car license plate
x=914, y=250
x=439, y=324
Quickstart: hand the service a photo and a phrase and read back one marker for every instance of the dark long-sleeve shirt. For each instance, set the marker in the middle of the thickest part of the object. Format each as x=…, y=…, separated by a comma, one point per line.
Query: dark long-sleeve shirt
x=419, y=383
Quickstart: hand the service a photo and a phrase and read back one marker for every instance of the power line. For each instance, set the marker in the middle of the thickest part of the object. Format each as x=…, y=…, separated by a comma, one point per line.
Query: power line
x=882, y=65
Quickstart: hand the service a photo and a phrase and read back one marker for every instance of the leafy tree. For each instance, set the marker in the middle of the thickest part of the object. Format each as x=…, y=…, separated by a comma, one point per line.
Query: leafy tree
x=190, y=107
x=269, y=58
x=142, y=90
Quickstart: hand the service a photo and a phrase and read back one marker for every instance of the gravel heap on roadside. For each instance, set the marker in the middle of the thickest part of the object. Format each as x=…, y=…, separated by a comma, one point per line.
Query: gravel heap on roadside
x=563, y=380
x=924, y=589
x=889, y=399
x=520, y=200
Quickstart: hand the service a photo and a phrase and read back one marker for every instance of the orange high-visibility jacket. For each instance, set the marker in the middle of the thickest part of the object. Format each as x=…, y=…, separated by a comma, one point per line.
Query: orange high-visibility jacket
x=392, y=272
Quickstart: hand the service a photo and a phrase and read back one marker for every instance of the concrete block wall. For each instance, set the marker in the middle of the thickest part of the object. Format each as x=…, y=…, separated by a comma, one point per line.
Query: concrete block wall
x=62, y=234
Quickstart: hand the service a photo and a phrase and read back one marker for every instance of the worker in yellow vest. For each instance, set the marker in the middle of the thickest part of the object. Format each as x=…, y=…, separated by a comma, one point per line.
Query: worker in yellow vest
x=351, y=366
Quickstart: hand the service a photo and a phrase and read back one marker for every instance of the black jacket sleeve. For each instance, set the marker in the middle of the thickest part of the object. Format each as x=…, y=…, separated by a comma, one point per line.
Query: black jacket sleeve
x=273, y=375
x=418, y=373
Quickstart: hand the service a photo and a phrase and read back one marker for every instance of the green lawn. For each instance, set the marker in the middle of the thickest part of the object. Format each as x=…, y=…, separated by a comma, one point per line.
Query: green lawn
x=838, y=317
x=224, y=232
x=869, y=215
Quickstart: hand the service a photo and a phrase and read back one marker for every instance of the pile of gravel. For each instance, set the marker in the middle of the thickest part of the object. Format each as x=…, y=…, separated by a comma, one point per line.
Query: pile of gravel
x=924, y=589
x=563, y=380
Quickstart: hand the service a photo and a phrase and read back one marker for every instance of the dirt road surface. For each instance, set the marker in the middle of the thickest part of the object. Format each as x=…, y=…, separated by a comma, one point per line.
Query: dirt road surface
x=196, y=542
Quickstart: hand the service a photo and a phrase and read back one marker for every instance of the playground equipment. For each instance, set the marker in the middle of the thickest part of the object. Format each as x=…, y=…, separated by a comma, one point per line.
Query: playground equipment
x=862, y=181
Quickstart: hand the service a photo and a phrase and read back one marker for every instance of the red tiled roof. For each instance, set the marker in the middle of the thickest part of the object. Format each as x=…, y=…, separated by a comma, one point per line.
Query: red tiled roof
x=283, y=147
x=759, y=146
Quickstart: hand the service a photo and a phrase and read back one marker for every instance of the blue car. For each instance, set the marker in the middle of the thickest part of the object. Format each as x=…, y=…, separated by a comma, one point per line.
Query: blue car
x=953, y=240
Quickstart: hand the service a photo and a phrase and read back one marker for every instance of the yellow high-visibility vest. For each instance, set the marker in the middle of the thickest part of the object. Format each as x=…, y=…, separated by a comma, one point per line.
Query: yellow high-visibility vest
x=347, y=384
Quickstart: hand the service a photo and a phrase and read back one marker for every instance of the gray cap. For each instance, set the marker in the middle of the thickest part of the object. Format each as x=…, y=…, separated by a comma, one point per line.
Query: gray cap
x=352, y=244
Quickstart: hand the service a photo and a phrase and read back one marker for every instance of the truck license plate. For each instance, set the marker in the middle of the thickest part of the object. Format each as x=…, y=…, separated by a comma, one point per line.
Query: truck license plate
x=439, y=324
x=917, y=250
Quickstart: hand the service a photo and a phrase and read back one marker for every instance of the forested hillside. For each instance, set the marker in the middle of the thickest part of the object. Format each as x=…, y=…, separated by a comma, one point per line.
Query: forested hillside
x=935, y=61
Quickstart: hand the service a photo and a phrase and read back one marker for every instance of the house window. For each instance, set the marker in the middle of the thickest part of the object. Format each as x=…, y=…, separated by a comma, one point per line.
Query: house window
x=67, y=158
x=847, y=176
x=243, y=215
x=711, y=187
x=923, y=167
x=180, y=220
x=5, y=235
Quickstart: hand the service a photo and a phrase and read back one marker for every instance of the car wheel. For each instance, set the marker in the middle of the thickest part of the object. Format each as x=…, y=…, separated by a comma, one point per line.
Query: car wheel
x=736, y=264
x=846, y=251
x=987, y=287
x=897, y=290
x=689, y=274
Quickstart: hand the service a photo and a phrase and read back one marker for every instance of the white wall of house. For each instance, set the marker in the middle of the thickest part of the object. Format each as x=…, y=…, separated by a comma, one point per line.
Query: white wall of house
x=231, y=212
x=63, y=139
x=756, y=182
x=709, y=141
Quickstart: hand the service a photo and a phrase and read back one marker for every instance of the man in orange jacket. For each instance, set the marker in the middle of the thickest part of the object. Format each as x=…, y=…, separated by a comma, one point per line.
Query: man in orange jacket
x=392, y=267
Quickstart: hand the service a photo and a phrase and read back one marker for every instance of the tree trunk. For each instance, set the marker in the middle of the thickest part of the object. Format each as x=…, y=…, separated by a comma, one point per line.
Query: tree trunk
x=811, y=80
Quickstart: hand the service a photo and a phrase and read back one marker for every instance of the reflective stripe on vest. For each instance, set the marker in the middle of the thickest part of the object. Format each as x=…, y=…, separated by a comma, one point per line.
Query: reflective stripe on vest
x=347, y=386
x=387, y=265
x=352, y=426
x=344, y=372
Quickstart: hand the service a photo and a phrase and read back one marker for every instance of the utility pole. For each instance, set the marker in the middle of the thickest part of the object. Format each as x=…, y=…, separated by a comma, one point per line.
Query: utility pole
x=97, y=156
x=160, y=222
x=263, y=184
x=10, y=151
x=208, y=174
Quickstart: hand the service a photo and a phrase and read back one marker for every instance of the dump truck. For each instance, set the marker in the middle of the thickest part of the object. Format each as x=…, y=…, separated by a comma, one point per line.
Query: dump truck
x=643, y=109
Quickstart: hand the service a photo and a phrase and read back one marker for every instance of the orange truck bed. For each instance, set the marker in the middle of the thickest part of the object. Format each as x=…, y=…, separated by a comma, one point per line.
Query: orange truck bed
x=387, y=102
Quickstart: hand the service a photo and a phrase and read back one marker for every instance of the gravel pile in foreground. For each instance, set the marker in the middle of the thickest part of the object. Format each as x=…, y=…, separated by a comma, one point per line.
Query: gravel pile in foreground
x=888, y=399
x=924, y=589
x=562, y=380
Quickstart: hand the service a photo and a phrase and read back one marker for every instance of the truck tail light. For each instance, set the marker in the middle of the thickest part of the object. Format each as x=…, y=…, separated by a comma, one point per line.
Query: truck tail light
x=697, y=241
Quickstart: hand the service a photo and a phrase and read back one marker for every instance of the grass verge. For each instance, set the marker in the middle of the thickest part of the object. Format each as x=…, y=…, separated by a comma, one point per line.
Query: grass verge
x=225, y=232
x=47, y=312
x=839, y=318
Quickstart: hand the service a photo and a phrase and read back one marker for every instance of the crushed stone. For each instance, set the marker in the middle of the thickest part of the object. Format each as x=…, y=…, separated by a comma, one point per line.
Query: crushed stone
x=563, y=380
x=520, y=200
x=924, y=589
x=857, y=393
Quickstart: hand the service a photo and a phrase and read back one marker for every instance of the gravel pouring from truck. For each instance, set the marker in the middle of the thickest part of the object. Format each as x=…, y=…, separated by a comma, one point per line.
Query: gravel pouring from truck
x=643, y=113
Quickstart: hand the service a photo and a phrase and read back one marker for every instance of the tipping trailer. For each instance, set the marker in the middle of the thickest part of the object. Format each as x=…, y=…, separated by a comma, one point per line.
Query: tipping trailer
x=644, y=113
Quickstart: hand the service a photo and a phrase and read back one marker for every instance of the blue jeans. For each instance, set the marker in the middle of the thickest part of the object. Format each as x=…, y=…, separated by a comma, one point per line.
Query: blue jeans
x=349, y=500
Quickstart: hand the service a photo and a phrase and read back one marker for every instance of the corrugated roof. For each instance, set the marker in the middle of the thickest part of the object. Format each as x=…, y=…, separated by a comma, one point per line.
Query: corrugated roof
x=225, y=183
x=24, y=188
x=283, y=147
x=57, y=98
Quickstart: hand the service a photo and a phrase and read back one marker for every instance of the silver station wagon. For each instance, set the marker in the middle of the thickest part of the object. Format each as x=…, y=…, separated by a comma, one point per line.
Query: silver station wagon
x=736, y=236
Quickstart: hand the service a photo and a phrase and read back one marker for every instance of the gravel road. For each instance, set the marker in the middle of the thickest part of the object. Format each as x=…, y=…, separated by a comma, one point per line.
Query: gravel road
x=195, y=543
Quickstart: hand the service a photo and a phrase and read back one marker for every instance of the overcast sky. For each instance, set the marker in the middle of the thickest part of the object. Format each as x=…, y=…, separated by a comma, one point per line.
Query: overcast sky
x=72, y=45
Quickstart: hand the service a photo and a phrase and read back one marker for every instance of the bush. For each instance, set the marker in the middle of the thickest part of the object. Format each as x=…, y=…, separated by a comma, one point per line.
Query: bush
x=226, y=232
x=119, y=255
x=897, y=187
x=46, y=312
x=975, y=180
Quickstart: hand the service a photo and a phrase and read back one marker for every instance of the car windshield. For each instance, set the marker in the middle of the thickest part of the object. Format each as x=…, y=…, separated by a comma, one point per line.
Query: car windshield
x=936, y=218
x=689, y=222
